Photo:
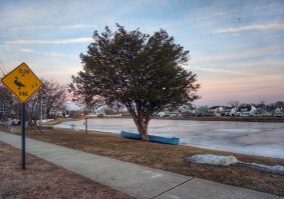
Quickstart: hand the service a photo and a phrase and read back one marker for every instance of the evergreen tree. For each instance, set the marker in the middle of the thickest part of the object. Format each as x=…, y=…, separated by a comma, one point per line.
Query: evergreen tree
x=143, y=72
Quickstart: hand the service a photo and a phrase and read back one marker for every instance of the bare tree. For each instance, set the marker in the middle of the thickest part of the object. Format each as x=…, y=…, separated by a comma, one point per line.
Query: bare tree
x=8, y=103
x=51, y=97
x=234, y=103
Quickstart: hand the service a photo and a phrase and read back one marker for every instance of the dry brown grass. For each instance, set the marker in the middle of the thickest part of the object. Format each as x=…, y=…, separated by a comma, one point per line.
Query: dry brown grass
x=45, y=180
x=60, y=120
x=170, y=158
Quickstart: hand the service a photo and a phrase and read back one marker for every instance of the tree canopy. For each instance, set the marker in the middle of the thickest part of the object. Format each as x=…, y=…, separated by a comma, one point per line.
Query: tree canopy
x=143, y=72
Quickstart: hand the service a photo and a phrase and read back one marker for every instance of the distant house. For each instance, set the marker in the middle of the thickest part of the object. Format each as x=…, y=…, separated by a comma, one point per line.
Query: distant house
x=174, y=114
x=187, y=114
x=279, y=112
x=201, y=111
x=246, y=110
x=168, y=114
x=186, y=111
x=260, y=112
x=220, y=111
x=215, y=110
x=162, y=114
x=233, y=111
x=226, y=111
x=105, y=110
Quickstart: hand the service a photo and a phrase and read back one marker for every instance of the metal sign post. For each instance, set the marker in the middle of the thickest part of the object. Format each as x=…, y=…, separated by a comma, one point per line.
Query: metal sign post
x=23, y=127
x=86, y=125
x=23, y=83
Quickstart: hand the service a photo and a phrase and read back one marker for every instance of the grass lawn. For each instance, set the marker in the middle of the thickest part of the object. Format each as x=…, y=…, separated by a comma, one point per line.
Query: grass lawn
x=45, y=180
x=168, y=157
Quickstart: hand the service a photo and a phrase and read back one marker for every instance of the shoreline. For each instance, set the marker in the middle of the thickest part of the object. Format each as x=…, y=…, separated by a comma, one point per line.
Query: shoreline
x=248, y=150
x=201, y=148
x=213, y=119
x=222, y=118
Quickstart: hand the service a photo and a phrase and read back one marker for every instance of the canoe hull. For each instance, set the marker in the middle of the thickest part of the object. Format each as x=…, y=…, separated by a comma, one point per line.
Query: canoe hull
x=152, y=138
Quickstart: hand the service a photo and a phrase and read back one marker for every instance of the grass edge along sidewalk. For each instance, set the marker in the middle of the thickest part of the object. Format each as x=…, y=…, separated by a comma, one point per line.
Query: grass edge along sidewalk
x=45, y=180
x=136, y=180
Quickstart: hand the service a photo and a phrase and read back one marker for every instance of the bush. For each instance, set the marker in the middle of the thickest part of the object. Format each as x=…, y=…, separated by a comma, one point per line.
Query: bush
x=100, y=115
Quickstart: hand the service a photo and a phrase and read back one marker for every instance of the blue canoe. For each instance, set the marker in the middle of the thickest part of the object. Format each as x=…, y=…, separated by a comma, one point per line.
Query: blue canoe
x=152, y=138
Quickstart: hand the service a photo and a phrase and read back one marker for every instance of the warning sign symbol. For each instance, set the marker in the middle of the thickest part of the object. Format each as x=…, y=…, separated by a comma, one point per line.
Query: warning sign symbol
x=22, y=82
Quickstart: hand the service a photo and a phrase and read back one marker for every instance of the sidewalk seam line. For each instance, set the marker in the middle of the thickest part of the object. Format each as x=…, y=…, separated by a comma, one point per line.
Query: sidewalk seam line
x=172, y=188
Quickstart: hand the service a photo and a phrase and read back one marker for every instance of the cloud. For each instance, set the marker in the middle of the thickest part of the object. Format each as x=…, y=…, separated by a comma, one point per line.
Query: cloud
x=77, y=26
x=259, y=27
x=46, y=53
x=238, y=73
x=240, y=54
x=81, y=40
x=27, y=50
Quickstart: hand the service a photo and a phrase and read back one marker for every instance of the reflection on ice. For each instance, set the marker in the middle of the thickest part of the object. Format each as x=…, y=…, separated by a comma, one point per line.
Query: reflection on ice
x=256, y=138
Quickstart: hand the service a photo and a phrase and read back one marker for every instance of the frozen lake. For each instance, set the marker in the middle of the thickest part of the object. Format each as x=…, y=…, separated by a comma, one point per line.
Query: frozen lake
x=255, y=138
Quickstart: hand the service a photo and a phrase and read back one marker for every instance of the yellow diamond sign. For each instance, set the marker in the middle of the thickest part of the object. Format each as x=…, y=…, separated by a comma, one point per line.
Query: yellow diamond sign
x=22, y=82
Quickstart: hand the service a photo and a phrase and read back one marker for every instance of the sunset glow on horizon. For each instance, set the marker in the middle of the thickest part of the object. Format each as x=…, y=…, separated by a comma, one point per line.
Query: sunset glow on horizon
x=236, y=47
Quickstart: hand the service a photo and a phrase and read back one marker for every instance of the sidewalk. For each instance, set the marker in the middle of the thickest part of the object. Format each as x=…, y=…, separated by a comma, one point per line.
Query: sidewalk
x=133, y=179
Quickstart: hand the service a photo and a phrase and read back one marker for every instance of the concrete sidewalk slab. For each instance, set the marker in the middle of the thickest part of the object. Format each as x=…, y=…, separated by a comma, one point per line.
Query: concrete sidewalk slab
x=198, y=188
x=136, y=180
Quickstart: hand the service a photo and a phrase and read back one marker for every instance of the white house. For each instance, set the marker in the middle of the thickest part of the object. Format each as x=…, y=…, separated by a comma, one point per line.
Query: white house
x=215, y=110
x=279, y=112
x=246, y=110
x=233, y=111
x=226, y=111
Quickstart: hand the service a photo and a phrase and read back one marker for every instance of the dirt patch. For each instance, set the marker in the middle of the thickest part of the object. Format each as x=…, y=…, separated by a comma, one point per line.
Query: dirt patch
x=170, y=158
x=45, y=180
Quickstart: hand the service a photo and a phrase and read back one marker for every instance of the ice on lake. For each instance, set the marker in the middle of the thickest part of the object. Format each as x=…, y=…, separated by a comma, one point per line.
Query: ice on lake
x=255, y=138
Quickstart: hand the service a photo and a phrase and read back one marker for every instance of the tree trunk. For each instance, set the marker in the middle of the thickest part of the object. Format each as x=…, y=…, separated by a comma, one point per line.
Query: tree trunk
x=143, y=130
x=142, y=127
x=141, y=123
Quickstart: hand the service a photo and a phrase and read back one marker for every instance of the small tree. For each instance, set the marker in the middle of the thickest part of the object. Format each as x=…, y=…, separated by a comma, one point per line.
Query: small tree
x=234, y=103
x=8, y=103
x=279, y=104
x=52, y=97
x=145, y=73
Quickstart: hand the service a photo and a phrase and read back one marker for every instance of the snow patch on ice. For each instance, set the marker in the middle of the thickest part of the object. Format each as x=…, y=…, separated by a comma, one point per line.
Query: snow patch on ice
x=213, y=159
x=229, y=160
x=272, y=169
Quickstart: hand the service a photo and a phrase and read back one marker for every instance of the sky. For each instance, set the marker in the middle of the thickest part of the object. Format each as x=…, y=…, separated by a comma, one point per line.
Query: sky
x=236, y=47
